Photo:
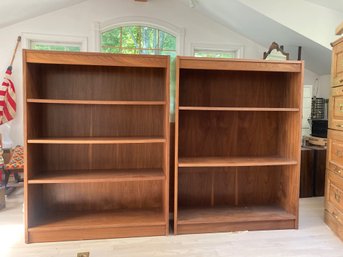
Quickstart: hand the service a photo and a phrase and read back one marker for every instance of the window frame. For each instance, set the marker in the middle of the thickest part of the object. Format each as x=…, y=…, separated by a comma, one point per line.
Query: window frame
x=139, y=21
x=238, y=50
x=28, y=38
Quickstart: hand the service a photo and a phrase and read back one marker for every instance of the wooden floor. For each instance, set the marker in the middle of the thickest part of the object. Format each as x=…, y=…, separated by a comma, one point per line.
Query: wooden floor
x=313, y=239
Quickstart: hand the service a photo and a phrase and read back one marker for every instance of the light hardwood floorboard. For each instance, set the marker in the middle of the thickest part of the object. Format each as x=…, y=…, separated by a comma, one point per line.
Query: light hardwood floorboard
x=313, y=239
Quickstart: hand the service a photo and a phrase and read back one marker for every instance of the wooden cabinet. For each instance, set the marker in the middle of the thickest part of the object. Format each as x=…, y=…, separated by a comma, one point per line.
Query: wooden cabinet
x=312, y=171
x=96, y=145
x=237, y=145
x=336, y=108
x=337, y=63
x=334, y=172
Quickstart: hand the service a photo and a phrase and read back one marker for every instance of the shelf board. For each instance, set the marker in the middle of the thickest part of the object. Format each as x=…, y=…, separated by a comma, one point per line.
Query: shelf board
x=59, y=220
x=87, y=176
x=94, y=102
x=241, y=109
x=234, y=161
x=232, y=215
x=96, y=140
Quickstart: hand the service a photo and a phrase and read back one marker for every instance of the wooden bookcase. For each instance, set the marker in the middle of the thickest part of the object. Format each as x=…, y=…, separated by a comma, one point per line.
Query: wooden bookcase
x=237, y=144
x=96, y=145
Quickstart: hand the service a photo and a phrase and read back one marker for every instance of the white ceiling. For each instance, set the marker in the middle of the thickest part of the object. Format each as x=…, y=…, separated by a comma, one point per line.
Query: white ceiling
x=13, y=11
x=336, y=5
x=230, y=13
x=263, y=30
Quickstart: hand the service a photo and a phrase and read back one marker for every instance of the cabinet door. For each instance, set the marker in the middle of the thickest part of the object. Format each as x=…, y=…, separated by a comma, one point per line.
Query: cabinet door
x=337, y=65
x=334, y=193
x=336, y=108
x=335, y=148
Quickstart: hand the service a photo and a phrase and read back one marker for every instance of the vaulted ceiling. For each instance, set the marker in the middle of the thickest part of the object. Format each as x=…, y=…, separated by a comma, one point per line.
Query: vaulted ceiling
x=292, y=23
x=13, y=11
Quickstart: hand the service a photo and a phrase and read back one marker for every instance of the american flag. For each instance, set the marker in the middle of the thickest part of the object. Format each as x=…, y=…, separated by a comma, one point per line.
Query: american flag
x=7, y=98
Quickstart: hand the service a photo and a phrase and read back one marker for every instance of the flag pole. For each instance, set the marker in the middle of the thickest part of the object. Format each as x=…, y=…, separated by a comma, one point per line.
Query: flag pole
x=15, y=50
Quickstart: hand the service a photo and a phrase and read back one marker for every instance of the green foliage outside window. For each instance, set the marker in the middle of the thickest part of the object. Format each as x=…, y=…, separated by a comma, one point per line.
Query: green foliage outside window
x=143, y=40
x=214, y=54
x=51, y=47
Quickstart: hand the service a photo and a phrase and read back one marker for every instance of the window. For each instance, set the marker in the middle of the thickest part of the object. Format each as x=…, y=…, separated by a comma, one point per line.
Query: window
x=217, y=51
x=136, y=39
x=54, y=42
x=55, y=46
x=214, y=54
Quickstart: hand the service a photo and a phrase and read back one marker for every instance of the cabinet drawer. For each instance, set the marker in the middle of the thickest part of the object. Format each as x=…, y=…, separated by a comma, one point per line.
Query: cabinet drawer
x=337, y=65
x=334, y=224
x=337, y=169
x=334, y=212
x=335, y=147
x=334, y=193
x=336, y=108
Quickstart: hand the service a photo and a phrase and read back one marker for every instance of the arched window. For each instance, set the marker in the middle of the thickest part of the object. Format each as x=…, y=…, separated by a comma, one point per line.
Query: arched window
x=136, y=39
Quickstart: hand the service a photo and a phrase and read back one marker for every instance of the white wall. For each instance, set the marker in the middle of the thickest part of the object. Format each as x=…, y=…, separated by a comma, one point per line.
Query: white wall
x=79, y=20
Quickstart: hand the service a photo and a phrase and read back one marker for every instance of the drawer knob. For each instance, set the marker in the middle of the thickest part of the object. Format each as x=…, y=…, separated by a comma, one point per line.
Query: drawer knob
x=335, y=216
x=339, y=125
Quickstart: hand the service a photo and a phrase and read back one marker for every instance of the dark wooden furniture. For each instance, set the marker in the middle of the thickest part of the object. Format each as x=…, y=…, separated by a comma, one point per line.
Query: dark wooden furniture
x=334, y=172
x=237, y=144
x=312, y=171
x=97, y=145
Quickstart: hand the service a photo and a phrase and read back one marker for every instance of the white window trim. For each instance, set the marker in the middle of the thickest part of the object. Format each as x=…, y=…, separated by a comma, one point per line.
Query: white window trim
x=28, y=38
x=237, y=49
x=179, y=33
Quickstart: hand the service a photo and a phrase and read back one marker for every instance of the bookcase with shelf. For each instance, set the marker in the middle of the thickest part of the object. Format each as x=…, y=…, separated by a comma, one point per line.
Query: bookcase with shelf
x=97, y=145
x=237, y=141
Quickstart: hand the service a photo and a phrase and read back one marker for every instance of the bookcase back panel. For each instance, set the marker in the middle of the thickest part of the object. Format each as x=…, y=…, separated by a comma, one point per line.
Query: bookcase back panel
x=81, y=82
x=258, y=185
x=216, y=133
x=56, y=157
x=238, y=89
x=63, y=120
x=100, y=196
x=230, y=187
x=206, y=187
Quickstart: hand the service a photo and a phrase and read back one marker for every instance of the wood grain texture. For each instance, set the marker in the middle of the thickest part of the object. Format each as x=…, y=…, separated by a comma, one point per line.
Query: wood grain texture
x=240, y=89
x=306, y=172
x=84, y=176
x=187, y=62
x=242, y=109
x=95, y=59
x=234, y=161
x=337, y=63
x=94, y=102
x=96, y=145
x=336, y=108
x=97, y=140
x=238, y=214
x=237, y=143
x=77, y=82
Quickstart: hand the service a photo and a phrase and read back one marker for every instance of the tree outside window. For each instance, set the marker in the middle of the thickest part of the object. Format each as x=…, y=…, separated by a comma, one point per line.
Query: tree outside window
x=143, y=40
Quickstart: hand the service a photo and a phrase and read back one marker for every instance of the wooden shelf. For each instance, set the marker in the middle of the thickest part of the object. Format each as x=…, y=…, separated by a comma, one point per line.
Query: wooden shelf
x=234, y=161
x=93, y=102
x=86, y=176
x=97, y=140
x=104, y=219
x=92, y=120
x=232, y=215
x=241, y=109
